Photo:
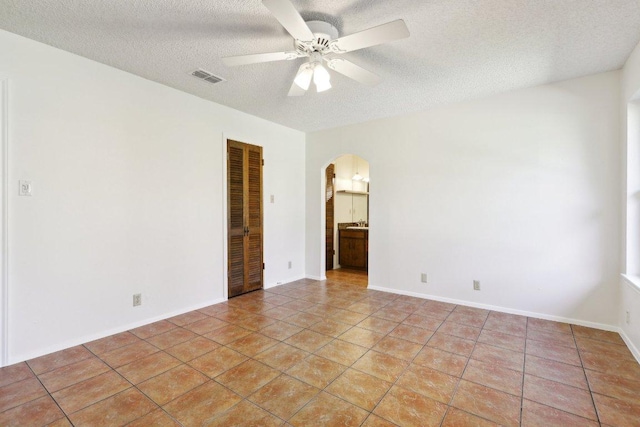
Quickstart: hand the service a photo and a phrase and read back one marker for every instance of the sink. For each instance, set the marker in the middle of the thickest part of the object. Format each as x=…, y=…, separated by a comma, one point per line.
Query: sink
x=354, y=227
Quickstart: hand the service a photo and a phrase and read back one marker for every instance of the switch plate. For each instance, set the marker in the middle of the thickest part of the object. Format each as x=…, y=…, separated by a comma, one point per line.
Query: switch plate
x=423, y=277
x=628, y=318
x=289, y=264
x=137, y=299
x=476, y=285
x=272, y=198
x=25, y=188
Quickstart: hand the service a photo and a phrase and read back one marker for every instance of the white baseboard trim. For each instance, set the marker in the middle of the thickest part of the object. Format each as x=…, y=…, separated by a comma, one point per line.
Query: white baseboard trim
x=113, y=331
x=579, y=322
x=315, y=277
x=634, y=350
x=284, y=282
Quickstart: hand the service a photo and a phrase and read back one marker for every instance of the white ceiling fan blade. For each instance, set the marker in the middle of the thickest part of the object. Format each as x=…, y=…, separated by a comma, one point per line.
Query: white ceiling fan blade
x=390, y=31
x=232, y=61
x=303, y=78
x=289, y=18
x=353, y=71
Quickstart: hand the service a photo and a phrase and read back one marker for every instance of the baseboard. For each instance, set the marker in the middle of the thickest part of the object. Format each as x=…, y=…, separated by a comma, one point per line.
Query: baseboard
x=284, y=282
x=308, y=276
x=579, y=322
x=117, y=330
x=634, y=350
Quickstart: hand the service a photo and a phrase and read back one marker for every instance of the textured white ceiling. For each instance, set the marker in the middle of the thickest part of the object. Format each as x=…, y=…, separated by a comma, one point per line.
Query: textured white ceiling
x=458, y=49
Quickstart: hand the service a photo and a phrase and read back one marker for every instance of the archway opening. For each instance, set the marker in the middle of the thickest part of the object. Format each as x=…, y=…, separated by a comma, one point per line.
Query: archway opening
x=346, y=213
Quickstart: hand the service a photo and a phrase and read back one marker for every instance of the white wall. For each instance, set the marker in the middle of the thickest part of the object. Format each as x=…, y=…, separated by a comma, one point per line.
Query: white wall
x=630, y=303
x=518, y=190
x=630, y=159
x=128, y=197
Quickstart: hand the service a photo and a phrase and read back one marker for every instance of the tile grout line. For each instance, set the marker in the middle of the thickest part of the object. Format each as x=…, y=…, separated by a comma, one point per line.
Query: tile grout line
x=321, y=390
x=524, y=369
x=455, y=391
x=134, y=386
x=593, y=401
x=409, y=364
x=316, y=299
x=65, y=416
x=281, y=372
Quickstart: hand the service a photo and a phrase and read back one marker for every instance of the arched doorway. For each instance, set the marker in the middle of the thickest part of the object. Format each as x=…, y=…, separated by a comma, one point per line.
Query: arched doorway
x=346, y=208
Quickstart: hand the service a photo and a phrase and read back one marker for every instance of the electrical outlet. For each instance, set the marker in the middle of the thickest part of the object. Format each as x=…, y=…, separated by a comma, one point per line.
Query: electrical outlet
x=423, y=277
x=25, y=188
x=628, y=318
x=476, y=285
x=137, y=299
x=289, y=265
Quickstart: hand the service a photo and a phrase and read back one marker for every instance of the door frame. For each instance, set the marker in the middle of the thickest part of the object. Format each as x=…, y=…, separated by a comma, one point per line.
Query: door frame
x=333, y=201
x=4, y=218
x=225, y=206
x=323, y=214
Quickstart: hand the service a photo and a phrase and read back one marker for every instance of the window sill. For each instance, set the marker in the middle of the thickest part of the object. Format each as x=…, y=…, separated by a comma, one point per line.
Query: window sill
x=633, y=281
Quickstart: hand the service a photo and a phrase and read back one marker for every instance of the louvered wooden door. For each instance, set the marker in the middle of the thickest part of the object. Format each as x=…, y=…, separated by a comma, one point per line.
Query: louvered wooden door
x=244, y=187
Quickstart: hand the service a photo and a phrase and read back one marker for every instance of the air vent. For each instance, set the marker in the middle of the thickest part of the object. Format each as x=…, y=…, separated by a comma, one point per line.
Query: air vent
x=207, y=76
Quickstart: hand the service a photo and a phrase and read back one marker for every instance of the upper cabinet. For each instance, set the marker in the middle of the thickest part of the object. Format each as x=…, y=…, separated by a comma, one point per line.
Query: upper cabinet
x=352, y=201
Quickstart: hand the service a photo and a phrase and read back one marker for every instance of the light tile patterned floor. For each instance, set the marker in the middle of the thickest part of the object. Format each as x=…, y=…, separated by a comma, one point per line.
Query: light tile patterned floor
x=335, y=354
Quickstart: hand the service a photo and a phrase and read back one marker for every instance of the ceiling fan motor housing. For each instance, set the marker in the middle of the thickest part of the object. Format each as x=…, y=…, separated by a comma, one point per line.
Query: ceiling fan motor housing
x=323, y=33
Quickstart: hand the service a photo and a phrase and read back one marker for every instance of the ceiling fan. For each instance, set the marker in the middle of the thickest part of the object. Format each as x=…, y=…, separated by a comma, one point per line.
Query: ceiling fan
x=319, y=41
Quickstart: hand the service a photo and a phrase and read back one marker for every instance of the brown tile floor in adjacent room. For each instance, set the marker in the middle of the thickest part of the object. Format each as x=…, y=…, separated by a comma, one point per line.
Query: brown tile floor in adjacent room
x=349, y=276
x=327, y=353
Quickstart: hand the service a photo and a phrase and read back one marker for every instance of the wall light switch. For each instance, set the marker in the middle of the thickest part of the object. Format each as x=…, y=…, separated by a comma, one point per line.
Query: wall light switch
x=272, y=199
x=25, y=188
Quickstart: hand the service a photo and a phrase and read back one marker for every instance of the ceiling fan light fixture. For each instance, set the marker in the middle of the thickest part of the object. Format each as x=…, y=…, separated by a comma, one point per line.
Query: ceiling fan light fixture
x=320, y=41
x=321, y=78
x=303, y=79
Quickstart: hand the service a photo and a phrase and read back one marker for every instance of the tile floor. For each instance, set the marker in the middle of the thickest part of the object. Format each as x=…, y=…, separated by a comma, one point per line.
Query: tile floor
x=332, y=354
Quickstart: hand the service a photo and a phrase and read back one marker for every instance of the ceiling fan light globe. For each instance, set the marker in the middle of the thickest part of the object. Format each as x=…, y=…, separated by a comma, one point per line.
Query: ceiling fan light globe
x=320, y=74
x=321, y=87
x=303, y=79
x=321, y=78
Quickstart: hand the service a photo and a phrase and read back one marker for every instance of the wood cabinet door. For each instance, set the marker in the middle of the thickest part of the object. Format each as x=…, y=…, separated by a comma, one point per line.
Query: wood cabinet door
x=244, y=217
x=358, y=253
x=344, y=253
x=353, y=249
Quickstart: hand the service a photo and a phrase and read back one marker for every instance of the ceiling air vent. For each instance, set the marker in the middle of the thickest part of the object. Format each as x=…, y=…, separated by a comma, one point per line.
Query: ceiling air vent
x=207, y=76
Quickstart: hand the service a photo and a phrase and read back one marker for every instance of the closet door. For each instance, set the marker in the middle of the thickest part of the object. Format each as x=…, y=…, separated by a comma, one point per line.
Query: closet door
x=244, y=201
